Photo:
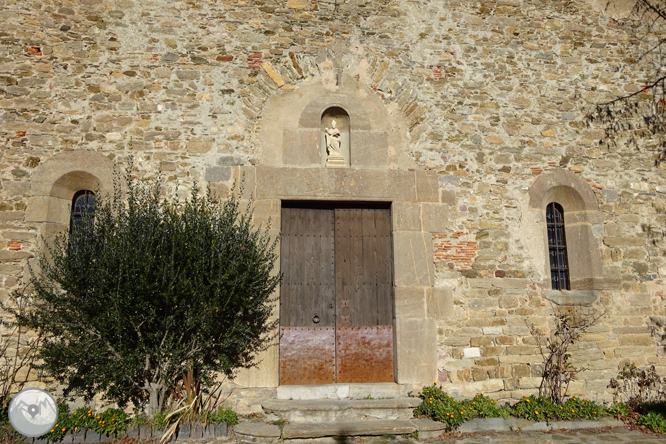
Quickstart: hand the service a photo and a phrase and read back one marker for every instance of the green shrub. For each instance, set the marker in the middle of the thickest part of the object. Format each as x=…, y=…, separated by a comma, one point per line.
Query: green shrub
x=653, y=415
x=223, y=415
x=439, y=406
x=619, y=409
x=485, y=407
x=112, y=422
x=654, y=420
x=536, y=408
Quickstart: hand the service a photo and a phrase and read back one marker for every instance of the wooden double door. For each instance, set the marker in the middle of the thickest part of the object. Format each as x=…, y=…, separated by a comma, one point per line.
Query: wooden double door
x=336, y=295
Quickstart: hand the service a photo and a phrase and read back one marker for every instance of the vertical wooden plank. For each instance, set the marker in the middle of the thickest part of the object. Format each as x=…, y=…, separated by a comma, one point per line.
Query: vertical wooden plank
x=368, y=246
x=358, y=294
x=285, y=284
x=384, y=267
x=343, y=287
x=295, y=278
x=327, y=267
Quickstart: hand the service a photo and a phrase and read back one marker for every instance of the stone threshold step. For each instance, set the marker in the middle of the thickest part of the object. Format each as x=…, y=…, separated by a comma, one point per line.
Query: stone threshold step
x=283, y=405
x=329, y=410
x=340, y=428
x=350, y=390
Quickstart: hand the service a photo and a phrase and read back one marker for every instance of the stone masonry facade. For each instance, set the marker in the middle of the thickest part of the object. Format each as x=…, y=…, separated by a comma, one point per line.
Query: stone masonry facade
x=468, y=116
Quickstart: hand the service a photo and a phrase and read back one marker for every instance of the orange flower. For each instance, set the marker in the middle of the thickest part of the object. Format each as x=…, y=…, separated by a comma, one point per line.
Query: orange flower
x=536, y=412
x=63, y=429
x=52, y=430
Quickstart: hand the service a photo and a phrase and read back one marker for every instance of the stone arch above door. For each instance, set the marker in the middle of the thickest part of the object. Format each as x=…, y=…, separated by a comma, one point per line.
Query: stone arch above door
x=291, y=131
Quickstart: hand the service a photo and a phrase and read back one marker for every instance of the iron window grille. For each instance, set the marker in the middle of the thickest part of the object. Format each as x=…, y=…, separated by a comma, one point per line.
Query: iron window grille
x=557, y=247
x=83, y=205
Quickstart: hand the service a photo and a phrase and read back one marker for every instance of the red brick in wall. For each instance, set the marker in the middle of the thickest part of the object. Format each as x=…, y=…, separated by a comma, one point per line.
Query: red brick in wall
x=458, y=248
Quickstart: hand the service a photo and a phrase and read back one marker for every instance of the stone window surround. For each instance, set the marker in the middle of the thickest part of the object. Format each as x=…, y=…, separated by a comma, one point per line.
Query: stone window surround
x=55, y=182
x=581, y=215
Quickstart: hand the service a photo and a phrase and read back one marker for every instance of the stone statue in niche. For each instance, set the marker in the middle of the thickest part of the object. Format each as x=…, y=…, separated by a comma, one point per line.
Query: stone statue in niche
x=333, y=141
x=335, y=128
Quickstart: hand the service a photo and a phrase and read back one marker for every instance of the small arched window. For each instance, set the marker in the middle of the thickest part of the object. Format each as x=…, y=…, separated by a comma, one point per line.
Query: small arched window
x=83, y=205
x=557, y=247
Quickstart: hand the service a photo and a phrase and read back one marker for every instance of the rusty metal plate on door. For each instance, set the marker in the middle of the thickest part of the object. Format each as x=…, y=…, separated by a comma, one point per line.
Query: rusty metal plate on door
x=364, y=353
x=307, y=355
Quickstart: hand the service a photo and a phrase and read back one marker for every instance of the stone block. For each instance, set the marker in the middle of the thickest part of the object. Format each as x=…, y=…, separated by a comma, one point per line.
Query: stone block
x=492, y=330
x=624, y=241
x=265, y=373
x=410, y=302
x=256, y=430
x=569, y=297
x=145, y=432
x=199, y=145
x=472, y=352
x=644, y=340
x=460, y=390
x=440, y=303
x=80, y=436
x=406, y=216
x=481, y=341
x=131, y=432
x=416, y=348
x=521, y=371
x=368, y=149
x=247, y=176
x=434, y=217
x=484, y=425
x=275, y=183
x=15, y=188
x=639, y=299
x=414, y=266
x=265, y=210
x=196, y=431
x=492, y=351
x=184, y=432
x=520, y=349
x=300, y=146
x=427, y=186
x=529, y=382
x=218, y=174
x=14, y=255
x=369, y=184
x=48, y=209
x=221, y=430
x=11, y=215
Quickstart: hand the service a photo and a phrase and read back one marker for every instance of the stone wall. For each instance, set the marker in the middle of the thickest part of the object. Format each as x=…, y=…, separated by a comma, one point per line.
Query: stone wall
x=488, y=97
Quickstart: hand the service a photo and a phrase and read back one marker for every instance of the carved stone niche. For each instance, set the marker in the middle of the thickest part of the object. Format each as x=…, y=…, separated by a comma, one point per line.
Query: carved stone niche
x=335, y=152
